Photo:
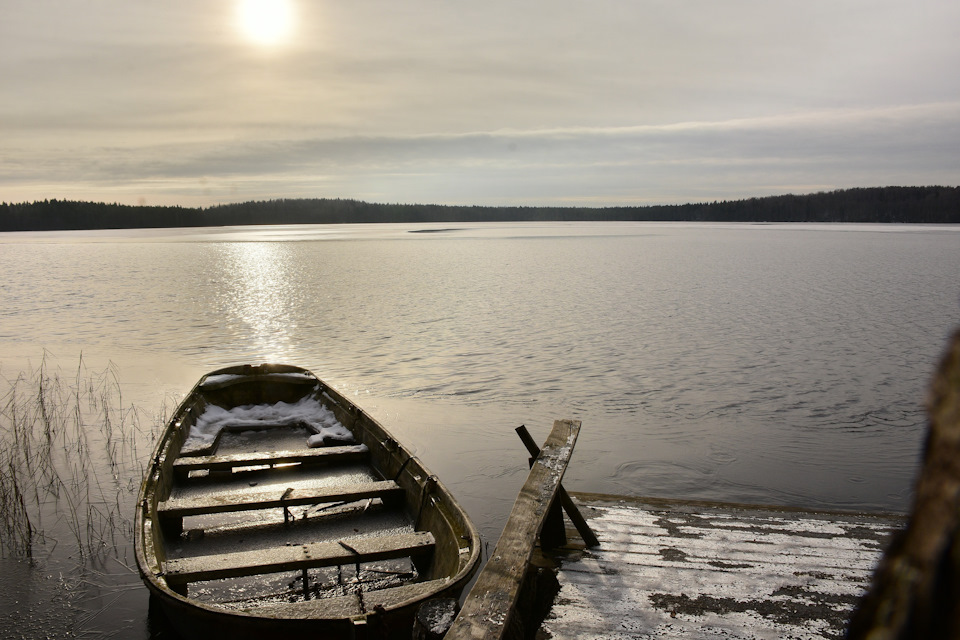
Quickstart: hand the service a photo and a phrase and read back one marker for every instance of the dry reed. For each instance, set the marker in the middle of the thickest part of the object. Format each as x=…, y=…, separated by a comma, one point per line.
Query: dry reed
x=70, y=462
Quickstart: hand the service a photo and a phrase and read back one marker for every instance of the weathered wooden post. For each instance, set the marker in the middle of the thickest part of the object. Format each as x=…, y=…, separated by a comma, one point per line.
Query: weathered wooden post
x=565, y=500
x=490, y=611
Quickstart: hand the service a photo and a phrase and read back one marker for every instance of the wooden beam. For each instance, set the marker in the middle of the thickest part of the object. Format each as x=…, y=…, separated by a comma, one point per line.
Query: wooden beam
x=350, y=605
x=490, y=610
x=318, y=455
x=589, y=538
x=246, y=501
x=302, y=556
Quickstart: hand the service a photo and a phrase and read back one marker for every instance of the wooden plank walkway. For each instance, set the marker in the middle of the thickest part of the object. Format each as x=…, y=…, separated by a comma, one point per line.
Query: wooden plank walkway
x=691, y=570
x=491, y=609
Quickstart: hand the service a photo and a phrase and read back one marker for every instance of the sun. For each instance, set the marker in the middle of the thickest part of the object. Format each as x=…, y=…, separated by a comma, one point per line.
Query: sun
x=265, y=22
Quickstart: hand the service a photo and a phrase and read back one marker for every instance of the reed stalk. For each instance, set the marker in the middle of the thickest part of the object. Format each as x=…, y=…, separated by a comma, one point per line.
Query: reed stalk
x=71, y=462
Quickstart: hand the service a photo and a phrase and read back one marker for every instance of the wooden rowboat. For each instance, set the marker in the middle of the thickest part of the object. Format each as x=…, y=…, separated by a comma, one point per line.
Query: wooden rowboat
x=274, y=507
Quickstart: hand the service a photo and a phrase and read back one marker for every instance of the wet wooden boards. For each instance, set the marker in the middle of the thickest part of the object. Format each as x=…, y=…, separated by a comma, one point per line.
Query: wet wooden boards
x=711, y=570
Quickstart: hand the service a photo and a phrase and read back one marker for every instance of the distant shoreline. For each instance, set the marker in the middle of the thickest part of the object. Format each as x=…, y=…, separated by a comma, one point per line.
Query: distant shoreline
x=917, y=205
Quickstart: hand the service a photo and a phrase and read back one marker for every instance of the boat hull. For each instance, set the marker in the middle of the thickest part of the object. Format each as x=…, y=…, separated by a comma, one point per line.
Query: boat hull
x=344, y=538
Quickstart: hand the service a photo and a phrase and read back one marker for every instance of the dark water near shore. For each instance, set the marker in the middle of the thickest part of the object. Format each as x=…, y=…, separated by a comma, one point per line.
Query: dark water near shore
x=757, y=363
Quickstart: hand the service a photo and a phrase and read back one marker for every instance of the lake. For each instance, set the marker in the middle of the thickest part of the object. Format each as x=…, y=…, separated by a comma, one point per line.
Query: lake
x=771, y=364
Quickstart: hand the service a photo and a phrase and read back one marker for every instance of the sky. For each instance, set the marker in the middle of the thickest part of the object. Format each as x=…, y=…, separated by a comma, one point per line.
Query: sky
x=560, y=103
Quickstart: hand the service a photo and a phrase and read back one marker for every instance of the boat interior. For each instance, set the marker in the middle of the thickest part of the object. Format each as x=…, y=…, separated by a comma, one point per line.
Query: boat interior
x=255, y=519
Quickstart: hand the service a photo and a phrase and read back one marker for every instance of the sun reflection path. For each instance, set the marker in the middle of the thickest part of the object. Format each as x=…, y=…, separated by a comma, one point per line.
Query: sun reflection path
x=260, y=298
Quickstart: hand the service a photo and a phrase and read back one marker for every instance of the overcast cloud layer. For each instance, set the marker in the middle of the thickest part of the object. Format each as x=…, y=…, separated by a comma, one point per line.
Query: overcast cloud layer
x=607, y=102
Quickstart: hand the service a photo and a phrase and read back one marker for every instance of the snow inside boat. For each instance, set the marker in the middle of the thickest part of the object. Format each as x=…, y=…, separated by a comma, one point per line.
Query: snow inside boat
x=274, y=507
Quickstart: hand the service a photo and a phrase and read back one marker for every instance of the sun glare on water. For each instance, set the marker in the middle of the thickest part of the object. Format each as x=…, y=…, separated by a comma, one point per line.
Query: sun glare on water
x=265, y=22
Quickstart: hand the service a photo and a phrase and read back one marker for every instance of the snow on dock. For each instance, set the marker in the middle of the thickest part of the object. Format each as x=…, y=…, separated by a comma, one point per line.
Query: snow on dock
x=668, y=569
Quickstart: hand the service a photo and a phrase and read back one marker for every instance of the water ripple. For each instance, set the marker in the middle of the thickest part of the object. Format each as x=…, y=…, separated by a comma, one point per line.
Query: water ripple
x=732, y=362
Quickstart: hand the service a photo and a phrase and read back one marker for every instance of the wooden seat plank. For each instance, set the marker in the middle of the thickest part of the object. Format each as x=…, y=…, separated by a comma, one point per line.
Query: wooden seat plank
x=246, y=501
x=349, y=605
x=214, y=382
x=352, y=453
x=296, y=557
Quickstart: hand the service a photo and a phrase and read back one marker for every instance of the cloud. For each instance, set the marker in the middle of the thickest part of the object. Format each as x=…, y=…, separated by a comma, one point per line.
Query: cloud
x=607, y=101
x=616, y=165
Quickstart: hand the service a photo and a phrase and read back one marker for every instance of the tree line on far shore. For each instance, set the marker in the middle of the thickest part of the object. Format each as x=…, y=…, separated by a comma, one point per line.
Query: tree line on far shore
x=930, y=205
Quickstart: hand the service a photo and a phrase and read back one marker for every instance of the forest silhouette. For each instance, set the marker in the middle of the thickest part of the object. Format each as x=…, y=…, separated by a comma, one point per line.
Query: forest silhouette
x=929, y=205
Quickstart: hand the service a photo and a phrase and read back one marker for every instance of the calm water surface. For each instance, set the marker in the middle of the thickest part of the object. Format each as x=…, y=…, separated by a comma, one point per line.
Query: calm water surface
x=758, y=363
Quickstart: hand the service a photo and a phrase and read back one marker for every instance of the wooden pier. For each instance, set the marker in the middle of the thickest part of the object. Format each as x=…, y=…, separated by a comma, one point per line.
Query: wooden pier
x=642, y=568
x=499, y=604
x=651, y=568
x=671, y=569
